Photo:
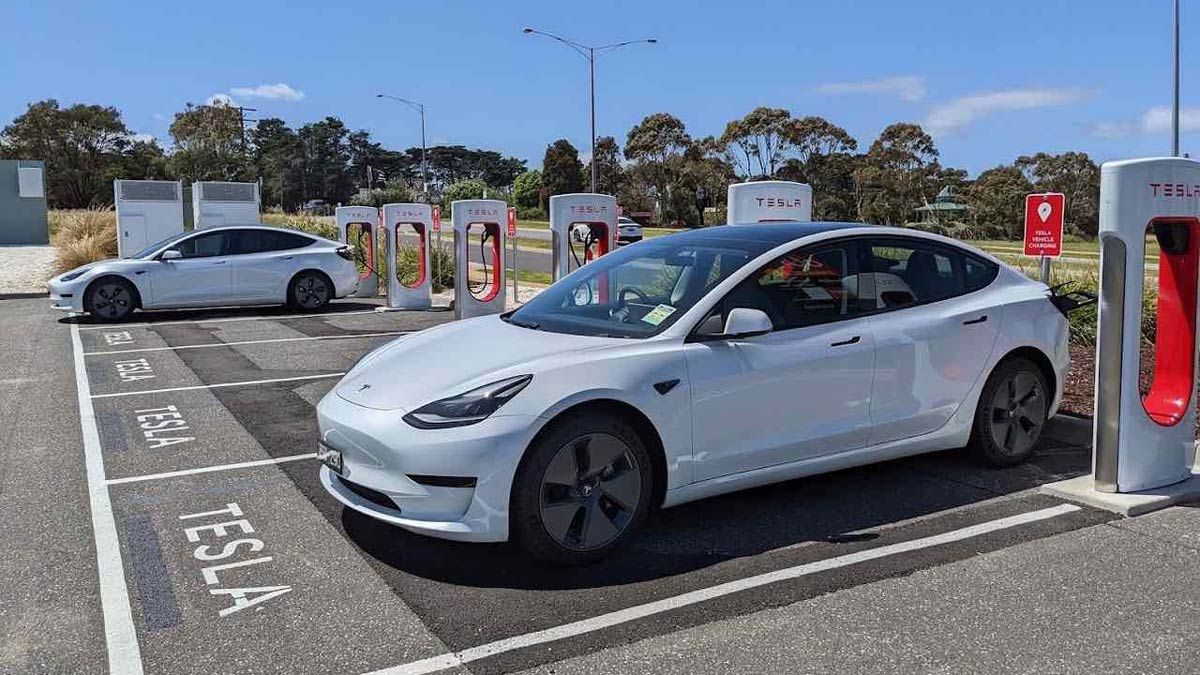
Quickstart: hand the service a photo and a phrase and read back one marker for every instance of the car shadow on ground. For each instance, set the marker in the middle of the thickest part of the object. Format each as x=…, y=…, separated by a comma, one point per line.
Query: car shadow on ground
x=267, y=312
x=844, y=506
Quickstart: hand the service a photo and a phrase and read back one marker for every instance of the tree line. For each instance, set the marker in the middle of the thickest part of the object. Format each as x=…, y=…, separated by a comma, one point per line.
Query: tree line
x=662, y=169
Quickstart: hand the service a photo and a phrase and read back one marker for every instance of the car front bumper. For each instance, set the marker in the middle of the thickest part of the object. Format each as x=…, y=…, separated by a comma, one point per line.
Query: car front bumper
x=448, y=483
x=66, y=296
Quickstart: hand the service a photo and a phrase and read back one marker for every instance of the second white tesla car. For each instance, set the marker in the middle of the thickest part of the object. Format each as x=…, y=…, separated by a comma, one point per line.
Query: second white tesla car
x=688, y=366
x=220, y=266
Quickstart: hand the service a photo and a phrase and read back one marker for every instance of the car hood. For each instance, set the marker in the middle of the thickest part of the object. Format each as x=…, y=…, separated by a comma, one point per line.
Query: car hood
x=109, y=264
x=452, y=359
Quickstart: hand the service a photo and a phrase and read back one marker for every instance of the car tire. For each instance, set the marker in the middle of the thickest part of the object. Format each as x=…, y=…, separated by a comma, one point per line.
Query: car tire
x=565, y=513
x=110, y=299
x=309, y=291
x=1011, y=415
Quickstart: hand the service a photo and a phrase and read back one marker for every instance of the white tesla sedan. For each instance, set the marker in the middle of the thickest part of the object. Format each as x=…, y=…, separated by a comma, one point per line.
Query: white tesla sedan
x=688, y=366
x=220, y=266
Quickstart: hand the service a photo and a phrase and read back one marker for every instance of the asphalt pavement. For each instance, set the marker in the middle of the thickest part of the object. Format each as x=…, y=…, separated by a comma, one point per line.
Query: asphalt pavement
x=164, y=516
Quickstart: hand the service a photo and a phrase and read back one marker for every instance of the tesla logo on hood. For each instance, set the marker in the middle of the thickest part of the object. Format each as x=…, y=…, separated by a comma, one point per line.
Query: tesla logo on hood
x=364, y=387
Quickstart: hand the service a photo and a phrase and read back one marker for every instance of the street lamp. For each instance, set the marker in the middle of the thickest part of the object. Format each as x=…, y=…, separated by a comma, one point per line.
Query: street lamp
x=590, y=53
x=1175, y=101
x=421, y=109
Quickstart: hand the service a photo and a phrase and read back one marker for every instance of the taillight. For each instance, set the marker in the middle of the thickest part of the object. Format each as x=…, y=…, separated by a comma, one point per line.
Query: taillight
x=346, y=252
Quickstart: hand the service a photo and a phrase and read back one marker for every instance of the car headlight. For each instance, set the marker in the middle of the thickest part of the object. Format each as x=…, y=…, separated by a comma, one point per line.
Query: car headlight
x=469, y=408
x=72, y=276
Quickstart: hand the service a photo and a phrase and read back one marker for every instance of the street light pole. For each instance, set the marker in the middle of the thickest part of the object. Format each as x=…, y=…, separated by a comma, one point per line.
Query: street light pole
x=1175, y=104
x=590, y=53
x=421, y=109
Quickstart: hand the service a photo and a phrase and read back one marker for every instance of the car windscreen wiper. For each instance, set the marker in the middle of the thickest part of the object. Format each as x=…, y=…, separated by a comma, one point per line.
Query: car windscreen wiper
x=533, y=325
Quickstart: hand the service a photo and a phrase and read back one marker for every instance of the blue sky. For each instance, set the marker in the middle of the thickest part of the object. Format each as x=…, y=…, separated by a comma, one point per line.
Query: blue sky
x=991, y=79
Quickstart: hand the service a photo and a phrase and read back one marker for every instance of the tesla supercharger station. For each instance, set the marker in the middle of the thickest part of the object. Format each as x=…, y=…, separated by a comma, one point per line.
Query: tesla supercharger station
x=1144, y=440
x=769, y=201
x=216, y=203
x=147, y=211
x=407, y=228
x=483, y=219
x=582, y=227
x=357, y=227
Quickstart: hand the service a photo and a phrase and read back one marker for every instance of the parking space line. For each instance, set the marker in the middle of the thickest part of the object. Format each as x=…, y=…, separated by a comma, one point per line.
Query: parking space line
x=124, y=655
x=462, y=658
x=194, y=387
x=151, y=324
x=210, y=469
x=251, y=342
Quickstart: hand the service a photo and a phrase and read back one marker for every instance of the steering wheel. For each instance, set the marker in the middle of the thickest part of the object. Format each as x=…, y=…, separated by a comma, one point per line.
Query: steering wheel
x=640, y=296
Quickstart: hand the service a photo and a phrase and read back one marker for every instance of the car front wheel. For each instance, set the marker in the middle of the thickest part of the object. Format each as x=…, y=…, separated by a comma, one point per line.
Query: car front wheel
x=1012, y=414
x=582, y=490
x=110, y=299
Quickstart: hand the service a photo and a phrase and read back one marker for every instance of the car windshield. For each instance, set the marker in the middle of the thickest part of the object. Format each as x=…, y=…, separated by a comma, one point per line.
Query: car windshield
x=157, y=245
x=636, y=292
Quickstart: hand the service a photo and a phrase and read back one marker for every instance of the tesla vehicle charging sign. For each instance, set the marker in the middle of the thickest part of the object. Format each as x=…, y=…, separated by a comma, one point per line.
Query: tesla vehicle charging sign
x=1044, y=224
x=437, y=219
x=512, y=222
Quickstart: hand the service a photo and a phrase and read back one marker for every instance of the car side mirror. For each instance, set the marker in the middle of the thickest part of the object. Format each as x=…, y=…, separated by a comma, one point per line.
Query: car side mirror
x=746, y=322
x=170, y=254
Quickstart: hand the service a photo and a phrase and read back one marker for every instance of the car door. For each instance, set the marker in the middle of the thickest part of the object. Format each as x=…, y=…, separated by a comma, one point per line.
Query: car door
x=800, y=391
x=933, y=333
x=200, y=277
x=263, y=263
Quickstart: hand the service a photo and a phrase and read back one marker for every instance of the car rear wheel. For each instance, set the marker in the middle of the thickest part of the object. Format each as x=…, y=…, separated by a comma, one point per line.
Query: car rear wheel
x=1012, y=414
x=582, y=490
x=111, y=299
x=310, y=290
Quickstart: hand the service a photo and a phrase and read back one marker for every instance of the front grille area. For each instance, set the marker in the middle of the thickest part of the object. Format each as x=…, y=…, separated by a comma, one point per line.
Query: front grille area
x=444, y=481
x=374, y=496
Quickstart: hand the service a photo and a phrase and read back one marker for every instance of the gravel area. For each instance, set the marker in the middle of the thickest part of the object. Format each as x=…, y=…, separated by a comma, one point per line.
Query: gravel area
x=25, y=269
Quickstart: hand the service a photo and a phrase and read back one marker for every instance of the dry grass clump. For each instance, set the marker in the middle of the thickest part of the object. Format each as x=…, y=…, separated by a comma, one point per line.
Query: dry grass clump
x=83, y=236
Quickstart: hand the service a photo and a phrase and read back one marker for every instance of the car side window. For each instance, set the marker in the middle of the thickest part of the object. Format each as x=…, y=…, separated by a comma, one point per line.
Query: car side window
x=285, y=241
x=907, y=272
x=203, y=246
x=805, y=287
x=979, y=273
x=246, y=241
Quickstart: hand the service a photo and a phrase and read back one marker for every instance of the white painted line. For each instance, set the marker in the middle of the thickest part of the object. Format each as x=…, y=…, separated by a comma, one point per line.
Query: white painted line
x=252, y=342
x=272, y=317
x=461, y=658
x=124, y=655
x=247, y=383
x=210, y=469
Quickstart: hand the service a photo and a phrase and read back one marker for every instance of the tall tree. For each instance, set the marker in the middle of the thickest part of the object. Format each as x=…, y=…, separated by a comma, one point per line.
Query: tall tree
x=997, y=201
x=326, y=149
x=657, y=145
x=759, y=141
x=610, y=175
x=209, y=144
x=279, y=159
x=81, y=146
x=527, y=189
x=899, y=174
x=1076, y=176
x=562, y=172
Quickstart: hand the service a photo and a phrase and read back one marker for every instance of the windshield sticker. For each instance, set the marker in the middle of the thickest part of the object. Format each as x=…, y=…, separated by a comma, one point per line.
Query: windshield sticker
x=658, y=314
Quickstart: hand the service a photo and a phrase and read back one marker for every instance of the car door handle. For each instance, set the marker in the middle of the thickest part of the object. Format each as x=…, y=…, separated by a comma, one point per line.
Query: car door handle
x=842, y=343
x=972, y=322
x=220, y=262
x=287, y=257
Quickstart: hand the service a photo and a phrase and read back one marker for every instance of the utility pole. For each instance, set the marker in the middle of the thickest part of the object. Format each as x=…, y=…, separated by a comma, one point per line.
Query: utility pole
x=1175, y=102
x=242, y=110
x=590, y=53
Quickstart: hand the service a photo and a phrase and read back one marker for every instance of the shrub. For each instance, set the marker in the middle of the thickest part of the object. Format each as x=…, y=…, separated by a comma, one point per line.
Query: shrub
x=83, y=236
x=321, y=226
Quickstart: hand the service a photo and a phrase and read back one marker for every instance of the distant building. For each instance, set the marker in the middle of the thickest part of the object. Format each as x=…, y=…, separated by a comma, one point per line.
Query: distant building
x=23, y=202
x=946, y=207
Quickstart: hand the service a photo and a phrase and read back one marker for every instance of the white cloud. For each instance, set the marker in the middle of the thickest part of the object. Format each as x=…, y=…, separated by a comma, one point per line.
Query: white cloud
x=279, y=92
x=956, y=115
x=907, y=87
x=1156, y=120
x=220, y=99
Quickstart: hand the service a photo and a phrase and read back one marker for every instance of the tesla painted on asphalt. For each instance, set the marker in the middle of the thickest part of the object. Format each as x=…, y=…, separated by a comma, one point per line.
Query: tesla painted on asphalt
x=688, y=366
x=220, y=266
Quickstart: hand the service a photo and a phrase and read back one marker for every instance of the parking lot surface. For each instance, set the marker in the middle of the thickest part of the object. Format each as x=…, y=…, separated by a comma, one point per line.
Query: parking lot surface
x=165, y=516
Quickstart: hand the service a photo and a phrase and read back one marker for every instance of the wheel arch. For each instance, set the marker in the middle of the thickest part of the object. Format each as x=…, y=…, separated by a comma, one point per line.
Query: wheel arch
x=632, y=416
x=1039, y=359
x=87, y=291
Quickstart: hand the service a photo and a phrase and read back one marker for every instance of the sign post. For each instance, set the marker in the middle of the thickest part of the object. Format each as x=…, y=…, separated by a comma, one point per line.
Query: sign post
x=1044, y=228
x=511, y=233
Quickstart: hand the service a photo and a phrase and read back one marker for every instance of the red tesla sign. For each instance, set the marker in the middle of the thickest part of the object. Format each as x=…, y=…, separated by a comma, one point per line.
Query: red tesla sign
x=512, y=222
x=1044, y=224
x=437, y=219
